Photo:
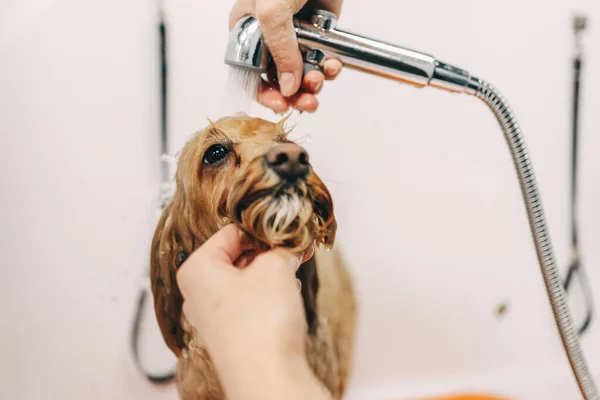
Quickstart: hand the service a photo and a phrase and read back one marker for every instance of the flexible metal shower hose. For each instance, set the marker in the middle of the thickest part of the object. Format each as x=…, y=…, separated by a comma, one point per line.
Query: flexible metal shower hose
x=539, y=230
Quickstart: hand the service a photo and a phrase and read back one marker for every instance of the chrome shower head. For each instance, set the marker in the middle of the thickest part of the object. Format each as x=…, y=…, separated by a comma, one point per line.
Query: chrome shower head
x=319, y=39
x=245, y=48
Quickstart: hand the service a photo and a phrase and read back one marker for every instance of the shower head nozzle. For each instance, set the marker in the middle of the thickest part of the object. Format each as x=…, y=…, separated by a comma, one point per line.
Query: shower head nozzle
x=245, y=48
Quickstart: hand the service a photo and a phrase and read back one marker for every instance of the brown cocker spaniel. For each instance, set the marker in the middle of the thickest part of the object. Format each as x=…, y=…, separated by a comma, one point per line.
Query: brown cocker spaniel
x=245, y=171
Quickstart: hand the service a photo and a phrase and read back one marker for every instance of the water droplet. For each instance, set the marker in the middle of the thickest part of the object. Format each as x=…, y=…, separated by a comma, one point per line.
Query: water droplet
x=241, y=90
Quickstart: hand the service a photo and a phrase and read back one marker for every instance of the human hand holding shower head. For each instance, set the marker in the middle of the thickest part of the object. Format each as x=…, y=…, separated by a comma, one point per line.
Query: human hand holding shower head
x=319, y=39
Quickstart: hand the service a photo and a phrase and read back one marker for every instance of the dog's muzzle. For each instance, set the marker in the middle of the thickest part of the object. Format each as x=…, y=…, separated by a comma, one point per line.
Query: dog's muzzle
x=278, y=201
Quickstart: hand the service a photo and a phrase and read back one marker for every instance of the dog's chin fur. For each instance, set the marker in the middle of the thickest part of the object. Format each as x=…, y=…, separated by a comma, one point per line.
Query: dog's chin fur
x=273, y=213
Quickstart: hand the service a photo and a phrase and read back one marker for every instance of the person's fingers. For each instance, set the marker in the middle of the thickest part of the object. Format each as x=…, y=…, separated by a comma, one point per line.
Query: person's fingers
x=245, y=259
x=223, y=248
x=312, y=82
x=332, y=68
x=278, y=259
x=334, y=6
x=248, y=256
x=226, y=245
x=240, y=9
x=270, y=97
x=305, y=102
x=276, y=20
x=308, y=254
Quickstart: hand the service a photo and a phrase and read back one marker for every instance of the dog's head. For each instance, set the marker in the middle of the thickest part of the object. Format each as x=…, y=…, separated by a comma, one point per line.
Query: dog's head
x=242, y=170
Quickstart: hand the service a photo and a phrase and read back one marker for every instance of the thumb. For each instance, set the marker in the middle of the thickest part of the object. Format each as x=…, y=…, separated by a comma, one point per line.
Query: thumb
x=278, y=259
x=276, y=20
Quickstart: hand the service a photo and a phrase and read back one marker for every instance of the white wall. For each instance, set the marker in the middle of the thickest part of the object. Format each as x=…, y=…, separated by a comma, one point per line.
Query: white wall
x=429, y=209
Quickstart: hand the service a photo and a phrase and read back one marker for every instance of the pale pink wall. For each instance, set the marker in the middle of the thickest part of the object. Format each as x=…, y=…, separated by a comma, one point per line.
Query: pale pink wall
x=429, y=210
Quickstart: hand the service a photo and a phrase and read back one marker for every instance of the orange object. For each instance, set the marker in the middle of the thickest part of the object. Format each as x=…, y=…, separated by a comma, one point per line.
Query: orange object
x=469, y=397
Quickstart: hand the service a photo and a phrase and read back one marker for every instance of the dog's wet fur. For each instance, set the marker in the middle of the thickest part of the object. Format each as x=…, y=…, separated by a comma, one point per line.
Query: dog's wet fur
x=223, y=177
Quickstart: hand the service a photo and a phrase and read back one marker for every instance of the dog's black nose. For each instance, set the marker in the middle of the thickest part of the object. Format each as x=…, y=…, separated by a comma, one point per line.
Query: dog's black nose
x=289, y=160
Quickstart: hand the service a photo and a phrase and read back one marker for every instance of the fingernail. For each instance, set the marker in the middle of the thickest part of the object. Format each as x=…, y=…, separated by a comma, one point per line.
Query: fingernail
x=334, y=68
x=303, y=255
x=317, y=86
x=286, y=83
x=277, y=105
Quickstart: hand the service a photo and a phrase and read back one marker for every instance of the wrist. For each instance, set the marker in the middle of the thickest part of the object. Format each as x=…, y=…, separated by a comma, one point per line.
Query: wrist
x=236, y=351
x=241, y=365
x=249, y=375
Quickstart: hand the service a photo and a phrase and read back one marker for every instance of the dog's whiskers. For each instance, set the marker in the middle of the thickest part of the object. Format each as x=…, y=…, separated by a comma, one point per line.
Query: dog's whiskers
x=302, y=139
x=325, y=180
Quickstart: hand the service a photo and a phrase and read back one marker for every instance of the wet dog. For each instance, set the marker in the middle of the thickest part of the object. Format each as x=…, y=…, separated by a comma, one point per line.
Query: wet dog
x=245, y=171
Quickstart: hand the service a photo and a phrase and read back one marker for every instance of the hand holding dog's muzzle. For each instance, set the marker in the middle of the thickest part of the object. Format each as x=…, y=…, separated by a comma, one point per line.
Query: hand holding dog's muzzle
x=243, y=304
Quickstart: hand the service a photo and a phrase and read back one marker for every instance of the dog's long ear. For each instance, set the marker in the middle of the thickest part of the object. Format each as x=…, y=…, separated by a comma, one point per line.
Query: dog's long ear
x=326, y=225
x=168, y=252
x=307, y=273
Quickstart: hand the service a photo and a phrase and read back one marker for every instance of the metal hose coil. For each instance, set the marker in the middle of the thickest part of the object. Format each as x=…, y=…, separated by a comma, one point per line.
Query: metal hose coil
x=537, y=222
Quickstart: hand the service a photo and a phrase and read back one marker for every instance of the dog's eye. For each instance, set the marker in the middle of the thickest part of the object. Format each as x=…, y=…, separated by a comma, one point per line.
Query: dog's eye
x=215, y=154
